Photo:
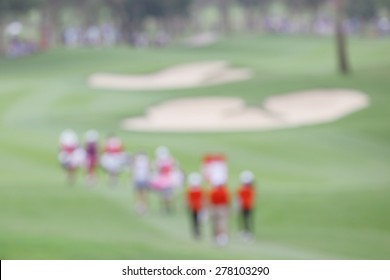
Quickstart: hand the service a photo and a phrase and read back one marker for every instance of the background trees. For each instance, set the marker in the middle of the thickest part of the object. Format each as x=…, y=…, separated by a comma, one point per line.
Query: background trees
x=132, y=13
x=253, y=8
x=178, y=17
x=8, y=9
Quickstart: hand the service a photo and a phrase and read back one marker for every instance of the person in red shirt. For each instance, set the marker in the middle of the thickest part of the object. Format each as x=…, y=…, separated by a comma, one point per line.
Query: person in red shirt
x=219, y=203
x=246, y=200
x=195, y=200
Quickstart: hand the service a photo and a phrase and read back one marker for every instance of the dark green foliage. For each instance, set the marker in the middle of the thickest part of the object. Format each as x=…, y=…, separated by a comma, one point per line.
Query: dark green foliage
x=16, y=6
x=253, y=3
x=158, y=8
x=361, y=9
x=383, y=3
x=304, y=4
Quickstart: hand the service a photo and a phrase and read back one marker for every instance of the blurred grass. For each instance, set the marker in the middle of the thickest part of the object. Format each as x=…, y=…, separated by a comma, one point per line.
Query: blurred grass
x=323, y=190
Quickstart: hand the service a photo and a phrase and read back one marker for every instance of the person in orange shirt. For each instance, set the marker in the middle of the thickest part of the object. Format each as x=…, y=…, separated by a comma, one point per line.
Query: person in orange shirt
x=195, y=200
x=219, y=203
x=246, y=200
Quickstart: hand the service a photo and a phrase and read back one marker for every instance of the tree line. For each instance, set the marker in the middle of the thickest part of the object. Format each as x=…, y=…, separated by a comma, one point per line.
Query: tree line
x=181, y=16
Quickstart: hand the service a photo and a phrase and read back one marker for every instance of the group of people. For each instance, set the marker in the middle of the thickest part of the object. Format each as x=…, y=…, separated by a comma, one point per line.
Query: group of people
x=164, y=175
x=215, y=200
x=207, y=194
x=73, y=155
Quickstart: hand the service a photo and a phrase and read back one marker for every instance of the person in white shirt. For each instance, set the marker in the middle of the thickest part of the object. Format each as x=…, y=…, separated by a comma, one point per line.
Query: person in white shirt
x=141, y=179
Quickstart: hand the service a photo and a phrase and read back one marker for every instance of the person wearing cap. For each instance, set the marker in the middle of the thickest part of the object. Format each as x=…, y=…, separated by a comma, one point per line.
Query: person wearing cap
x=219, y=203
x=163, y=180
x=195, y=200
x=246, y=200
x=214, y=163
x=70, y=155
x=91, y=153
x=114, y=158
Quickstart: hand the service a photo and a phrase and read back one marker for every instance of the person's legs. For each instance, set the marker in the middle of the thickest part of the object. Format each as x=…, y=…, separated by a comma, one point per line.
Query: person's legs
x=246, y=220
x=70, y=175
x=196, y=225
x=168, y=197
x=91, y=164
x=247, y=224
x=166, y=200
x=66, y=163
x=140, y=187
x=214, y=222
x=113, y=178
x=141, y=196
x=222, y=236
x=140, y=204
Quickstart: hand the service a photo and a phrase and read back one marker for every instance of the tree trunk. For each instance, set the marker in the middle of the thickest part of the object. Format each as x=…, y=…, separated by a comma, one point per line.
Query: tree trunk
x=127, y=22
x=2, y=38
x=224, y=11
x=341, y=48
x=44, y=29
x=49, y=25
x=314, y=12
x=118, y=23
x=126, y=32
x=88, y=11
x=178, y=25
x=251, y=24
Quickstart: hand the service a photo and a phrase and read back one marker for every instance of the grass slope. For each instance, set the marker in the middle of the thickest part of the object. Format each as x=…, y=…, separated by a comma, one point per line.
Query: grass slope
x=324, y=190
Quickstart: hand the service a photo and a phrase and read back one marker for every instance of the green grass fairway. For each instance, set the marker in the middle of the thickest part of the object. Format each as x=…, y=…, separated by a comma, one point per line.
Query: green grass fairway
x=323, y=191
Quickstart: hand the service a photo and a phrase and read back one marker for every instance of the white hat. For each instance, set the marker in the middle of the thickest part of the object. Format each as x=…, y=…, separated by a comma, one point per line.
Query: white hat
x=91, y=135
x=68, y=137
x=194, y=179
x=218, y=177
x=246, y=177
x=162, y=152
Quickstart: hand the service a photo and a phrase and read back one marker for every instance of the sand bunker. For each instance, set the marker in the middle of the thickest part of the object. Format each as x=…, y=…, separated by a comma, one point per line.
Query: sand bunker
x=231, y=114
x=182, y=76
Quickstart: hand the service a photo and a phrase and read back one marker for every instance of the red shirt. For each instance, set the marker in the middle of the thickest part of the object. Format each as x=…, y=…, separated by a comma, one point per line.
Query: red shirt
x=113, y=146
x=195, y=199
x=165, y=166
x=68, y=148
x=219, y=196
x=246, y=197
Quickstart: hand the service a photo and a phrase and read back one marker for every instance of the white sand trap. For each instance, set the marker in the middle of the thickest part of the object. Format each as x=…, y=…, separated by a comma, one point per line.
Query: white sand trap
x=181, y=76
x=231, y=114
